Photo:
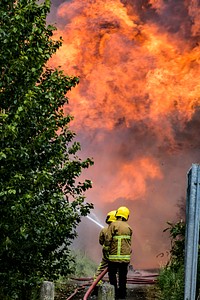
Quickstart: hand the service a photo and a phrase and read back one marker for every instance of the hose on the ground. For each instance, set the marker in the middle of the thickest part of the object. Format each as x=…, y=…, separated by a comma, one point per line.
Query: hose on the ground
x=91, y=288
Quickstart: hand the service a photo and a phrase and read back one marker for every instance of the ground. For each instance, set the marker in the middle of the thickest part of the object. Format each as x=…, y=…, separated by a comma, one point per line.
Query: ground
x=135, y=292
x=76, y=289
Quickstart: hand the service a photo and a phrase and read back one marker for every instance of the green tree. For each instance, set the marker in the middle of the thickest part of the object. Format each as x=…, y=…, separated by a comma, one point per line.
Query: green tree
x=41, y=198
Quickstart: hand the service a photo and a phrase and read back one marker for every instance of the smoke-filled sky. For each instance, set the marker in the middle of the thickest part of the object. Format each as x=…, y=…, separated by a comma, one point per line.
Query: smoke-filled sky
x=136, y=109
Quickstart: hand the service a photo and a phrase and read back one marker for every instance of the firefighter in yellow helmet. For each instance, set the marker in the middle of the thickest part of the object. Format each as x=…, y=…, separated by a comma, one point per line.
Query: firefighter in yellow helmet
x=104, y=262
x=117, y=249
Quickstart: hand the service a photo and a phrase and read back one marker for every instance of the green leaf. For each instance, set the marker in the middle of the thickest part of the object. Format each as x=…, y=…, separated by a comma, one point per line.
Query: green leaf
x=42, y=200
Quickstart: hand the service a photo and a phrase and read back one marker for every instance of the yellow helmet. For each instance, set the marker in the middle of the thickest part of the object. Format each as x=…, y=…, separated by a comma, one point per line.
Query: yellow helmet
x=111, y=217
x=123, y=212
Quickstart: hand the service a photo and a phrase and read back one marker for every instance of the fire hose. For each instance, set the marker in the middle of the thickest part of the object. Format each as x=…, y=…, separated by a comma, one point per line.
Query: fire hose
x=89, y=291
x=76, y=291
x=91, y=288
x=145, y=279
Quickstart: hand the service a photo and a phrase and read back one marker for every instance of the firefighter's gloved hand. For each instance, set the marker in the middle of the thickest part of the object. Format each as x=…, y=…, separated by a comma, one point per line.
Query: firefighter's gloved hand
x=106, y=252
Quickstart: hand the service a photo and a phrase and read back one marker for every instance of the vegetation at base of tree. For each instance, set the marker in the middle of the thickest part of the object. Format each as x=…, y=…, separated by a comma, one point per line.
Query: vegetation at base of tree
x=83, y=267
x=41, y=198
x=171, y=283
x=171, y=277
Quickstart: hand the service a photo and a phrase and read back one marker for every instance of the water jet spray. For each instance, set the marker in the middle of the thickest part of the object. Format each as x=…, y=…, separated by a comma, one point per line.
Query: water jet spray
x=97, y=223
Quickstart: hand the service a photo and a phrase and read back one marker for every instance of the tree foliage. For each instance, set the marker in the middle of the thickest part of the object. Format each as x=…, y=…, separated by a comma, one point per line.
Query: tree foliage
x=41, y=198
x=177, y=237
x=171, y=277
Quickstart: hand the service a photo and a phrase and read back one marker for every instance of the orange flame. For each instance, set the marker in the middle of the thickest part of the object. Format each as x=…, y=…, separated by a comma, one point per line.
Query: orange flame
x=139, y=66
x=128, y=70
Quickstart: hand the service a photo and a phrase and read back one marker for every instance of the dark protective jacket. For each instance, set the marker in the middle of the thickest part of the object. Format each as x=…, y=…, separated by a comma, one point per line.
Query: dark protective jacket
x=118, y=242
x=102, y=235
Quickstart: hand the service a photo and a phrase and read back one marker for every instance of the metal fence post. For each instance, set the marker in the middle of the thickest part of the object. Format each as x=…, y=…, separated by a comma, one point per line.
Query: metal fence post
x=192, y=231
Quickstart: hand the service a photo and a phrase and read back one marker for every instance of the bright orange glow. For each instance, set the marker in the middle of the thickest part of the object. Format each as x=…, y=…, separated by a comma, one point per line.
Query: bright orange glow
x=128, y=182
x=127, y=70
x=136, y=105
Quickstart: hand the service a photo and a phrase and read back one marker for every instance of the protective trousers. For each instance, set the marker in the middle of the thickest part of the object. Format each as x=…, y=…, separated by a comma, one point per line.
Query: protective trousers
x=103, y=264
x=120, y=268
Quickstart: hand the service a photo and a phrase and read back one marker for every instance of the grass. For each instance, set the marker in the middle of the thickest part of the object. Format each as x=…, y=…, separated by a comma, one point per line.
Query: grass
x=84, y=267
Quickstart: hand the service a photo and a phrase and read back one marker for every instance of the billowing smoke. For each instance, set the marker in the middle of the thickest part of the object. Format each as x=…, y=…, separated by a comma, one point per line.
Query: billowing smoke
x=136, y=109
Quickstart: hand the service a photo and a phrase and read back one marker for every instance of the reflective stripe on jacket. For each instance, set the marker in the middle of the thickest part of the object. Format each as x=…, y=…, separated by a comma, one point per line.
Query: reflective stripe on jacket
x=118, y=241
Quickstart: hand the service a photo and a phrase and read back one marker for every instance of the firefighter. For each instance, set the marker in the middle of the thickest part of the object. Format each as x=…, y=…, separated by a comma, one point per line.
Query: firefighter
x=104, y=262
x=117, y=249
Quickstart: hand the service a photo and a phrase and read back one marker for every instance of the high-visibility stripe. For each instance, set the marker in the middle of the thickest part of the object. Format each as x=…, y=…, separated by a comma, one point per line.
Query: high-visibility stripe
x=122, y=237
x=119, y=256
